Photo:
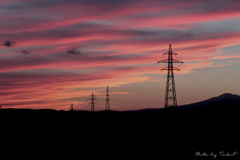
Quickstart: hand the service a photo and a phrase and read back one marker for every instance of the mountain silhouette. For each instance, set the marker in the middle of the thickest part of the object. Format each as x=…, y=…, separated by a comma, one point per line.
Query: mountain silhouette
x=226, y=102
x=224, y=99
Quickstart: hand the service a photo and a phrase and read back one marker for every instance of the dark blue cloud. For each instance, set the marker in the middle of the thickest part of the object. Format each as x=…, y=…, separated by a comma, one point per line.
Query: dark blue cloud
x=9, y=43
x=25, y=52
x=73, y=51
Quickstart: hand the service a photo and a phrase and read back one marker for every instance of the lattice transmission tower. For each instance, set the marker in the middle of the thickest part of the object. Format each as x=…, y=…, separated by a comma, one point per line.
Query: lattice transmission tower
x=92, y=99
x=107, y=100
x=170, y=95
x=71, y=107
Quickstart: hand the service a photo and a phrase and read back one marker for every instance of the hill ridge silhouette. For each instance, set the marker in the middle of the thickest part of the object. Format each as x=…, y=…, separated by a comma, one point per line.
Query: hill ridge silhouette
x=223, y=102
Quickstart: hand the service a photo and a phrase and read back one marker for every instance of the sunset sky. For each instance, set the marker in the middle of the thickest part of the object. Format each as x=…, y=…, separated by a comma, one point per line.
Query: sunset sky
x=57, y=52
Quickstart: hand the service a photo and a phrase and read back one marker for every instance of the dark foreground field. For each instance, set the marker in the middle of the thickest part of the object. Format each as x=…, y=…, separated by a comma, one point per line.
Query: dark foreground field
x=184, y=132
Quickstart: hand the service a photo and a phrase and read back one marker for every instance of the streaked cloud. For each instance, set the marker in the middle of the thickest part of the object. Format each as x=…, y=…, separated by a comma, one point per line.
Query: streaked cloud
x=68, y=44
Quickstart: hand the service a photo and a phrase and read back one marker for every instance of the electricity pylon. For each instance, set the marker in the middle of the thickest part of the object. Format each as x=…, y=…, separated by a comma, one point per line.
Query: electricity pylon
x=92, y=98
x=107, y=100
x=71, y=108
x=170, y=95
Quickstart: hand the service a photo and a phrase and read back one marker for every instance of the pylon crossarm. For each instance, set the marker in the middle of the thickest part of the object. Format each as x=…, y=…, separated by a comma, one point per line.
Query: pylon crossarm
x=163, y=61
x=168, y=53
x=92, y=99
x=164, y=68
x=176, y=61
x=174, y=68
x=167, y=60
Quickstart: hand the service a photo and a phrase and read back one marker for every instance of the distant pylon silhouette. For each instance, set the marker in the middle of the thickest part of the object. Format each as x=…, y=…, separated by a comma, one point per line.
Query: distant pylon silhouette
x=170, y=95
x=107, y=100
x=92, y=98
x=71, y=109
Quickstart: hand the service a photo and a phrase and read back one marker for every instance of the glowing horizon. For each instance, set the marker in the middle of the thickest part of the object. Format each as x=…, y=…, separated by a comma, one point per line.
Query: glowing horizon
x=67, y=49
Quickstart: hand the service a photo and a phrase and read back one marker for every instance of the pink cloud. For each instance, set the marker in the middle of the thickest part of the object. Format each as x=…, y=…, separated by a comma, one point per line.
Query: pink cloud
x=114, y=45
